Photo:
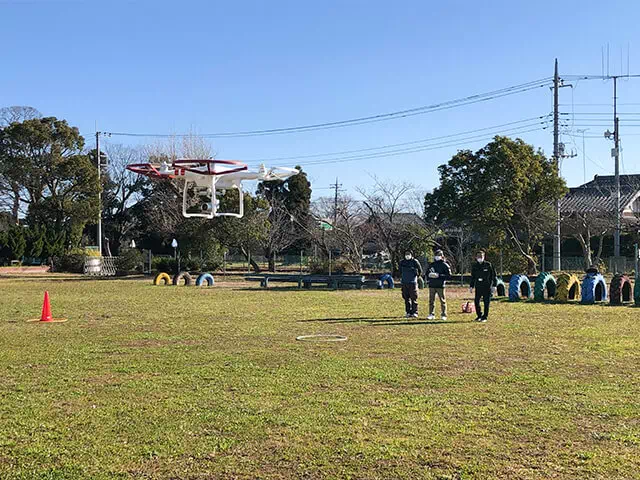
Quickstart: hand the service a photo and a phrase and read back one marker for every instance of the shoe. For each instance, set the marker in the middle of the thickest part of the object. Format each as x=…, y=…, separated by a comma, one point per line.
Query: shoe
x=478, y=319
x=407, y=315
x=443, y=318
x=431, y=317
x=414, y=315
x=483, y=320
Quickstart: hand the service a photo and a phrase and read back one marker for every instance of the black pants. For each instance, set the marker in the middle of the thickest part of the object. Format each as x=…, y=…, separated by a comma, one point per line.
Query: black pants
x=485, y=295
x=410, y=296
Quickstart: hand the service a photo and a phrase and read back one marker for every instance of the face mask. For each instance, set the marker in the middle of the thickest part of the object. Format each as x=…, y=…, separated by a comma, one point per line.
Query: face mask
x=407, y=257
x=438, y=258
x=480, y=259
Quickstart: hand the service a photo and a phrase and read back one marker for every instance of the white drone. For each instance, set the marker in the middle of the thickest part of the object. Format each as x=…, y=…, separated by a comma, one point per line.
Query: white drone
x=213, y=177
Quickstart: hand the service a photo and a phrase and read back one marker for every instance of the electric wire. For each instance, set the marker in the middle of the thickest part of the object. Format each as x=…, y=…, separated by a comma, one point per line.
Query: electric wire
x=435, y=146
x=538, y=120
x=468, y=100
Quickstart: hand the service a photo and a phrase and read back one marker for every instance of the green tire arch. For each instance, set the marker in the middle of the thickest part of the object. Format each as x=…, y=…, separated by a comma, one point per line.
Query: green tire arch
x=545, y=282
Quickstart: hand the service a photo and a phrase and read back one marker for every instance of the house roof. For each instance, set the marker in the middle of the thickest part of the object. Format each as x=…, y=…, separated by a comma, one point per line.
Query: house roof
x=408, y=219
x=599, y=195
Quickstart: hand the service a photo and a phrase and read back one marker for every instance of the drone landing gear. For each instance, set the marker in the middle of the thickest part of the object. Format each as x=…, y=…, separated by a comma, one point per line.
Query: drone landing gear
x=211, y=209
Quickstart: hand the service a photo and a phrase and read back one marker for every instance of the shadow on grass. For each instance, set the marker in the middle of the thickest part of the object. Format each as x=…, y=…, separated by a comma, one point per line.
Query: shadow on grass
x=294, y=288
x=382, y=321
x=52, y=278
x=578, y=303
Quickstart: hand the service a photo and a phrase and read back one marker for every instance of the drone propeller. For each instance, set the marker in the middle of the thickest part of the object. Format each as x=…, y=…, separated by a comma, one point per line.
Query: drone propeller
x=280, y=173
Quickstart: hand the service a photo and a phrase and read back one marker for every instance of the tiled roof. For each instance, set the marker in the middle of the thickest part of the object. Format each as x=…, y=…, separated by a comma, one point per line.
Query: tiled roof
x=599, y=195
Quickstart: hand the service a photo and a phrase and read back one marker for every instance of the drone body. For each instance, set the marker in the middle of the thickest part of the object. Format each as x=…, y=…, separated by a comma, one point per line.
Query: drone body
x=210, y=178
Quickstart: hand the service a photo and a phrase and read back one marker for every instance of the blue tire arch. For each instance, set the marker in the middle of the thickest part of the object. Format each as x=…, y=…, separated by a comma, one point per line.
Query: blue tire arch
x=205, y=277
x=594, y=289
x=519, y=287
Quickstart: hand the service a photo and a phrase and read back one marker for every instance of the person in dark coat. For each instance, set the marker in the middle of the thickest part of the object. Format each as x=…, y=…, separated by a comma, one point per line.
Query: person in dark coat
x=410, y=270
x=438, y=273
x=484, y=280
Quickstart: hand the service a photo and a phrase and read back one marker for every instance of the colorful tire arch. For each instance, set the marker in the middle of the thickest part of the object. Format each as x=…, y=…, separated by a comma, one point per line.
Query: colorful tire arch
x=205, y=278
x=162, y=279
x=567, y=287
x=545, y=283
x=501, y=288
x=620, y=290
x=594, y=289
x=183, y=276
x=519, y=288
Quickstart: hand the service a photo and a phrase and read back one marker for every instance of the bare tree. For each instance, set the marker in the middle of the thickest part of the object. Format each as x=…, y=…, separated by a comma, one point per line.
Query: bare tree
x=392, y=211
x=186, y=146
x=585, y=226
x=280, y=233
x=348, y=233
x=17, y=113
x=162, y=205
x=123, y=189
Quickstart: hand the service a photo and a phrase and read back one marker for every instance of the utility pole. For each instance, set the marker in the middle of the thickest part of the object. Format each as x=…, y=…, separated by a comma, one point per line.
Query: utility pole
x=335, y=186
x=616, y=153
x=556, y=157
x=98, y=163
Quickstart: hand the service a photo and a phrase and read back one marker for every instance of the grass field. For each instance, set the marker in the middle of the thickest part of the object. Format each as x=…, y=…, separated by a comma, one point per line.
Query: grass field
x=186, y=383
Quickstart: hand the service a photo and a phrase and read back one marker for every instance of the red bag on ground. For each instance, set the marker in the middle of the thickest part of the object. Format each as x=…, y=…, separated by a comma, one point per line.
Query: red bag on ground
x=468, y=307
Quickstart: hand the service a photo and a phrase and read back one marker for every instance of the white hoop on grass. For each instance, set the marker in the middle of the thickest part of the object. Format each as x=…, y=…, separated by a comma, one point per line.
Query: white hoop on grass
x=321, y=338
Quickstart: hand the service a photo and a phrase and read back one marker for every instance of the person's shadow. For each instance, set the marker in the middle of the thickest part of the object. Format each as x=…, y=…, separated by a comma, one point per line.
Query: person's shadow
x=382, y=321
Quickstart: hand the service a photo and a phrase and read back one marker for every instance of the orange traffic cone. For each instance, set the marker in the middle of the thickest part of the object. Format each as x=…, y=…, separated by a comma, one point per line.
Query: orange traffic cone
x=46, y=309
x=46, y=312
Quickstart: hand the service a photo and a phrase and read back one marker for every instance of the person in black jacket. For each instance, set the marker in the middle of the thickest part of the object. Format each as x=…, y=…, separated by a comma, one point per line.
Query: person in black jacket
x=484, y=280
x=410, y=270
x=438, y=273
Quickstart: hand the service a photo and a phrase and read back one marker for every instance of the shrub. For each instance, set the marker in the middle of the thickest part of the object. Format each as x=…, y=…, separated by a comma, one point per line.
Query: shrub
x=70, y=263
x=130, y=260
x=73, y=261
x=164, y=264
x=338, y=266
x=16, y=242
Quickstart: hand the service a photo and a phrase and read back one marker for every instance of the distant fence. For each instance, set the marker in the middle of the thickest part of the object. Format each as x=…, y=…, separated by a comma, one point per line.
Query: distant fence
x=100, y=266
x=624, y=264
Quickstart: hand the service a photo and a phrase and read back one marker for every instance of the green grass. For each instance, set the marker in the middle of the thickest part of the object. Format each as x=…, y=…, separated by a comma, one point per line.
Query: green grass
x=187, y=383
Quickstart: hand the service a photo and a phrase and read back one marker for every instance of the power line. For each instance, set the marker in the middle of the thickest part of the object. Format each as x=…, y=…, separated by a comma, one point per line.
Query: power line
x=597, y=77
x=468, y=100
x=528, y=121
x=599, y=113
x=595, y=104
x=436, y=146
x=597, y=164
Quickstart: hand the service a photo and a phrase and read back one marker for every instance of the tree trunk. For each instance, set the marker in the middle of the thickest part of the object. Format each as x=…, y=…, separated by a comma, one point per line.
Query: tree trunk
x=15, y=211
x=252, y=262
x=600, y=246
x=272, y=262
x=585, y=244
x=532, y=265
x=395, y=265
x=254, y=265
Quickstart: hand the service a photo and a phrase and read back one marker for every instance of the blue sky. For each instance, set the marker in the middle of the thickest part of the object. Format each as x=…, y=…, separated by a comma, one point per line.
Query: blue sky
x=172, y=67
